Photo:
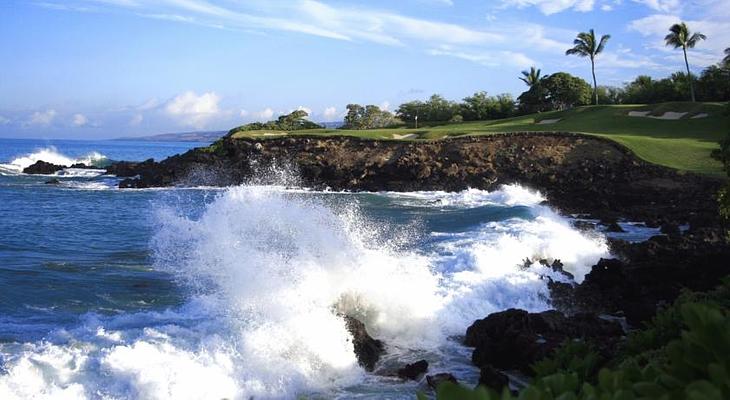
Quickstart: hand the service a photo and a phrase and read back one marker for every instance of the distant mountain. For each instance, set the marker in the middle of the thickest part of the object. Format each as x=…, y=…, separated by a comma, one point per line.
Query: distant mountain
x=179, y=137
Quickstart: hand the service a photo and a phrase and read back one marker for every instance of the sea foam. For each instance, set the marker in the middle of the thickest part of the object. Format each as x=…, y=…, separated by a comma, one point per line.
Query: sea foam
x=269, y=274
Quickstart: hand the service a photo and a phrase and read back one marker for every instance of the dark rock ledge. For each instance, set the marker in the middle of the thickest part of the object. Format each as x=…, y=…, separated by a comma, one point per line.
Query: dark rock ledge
x=578, y=173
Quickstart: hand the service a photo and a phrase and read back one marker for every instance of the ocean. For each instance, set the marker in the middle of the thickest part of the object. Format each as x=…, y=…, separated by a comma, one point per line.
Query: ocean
x=209, y=293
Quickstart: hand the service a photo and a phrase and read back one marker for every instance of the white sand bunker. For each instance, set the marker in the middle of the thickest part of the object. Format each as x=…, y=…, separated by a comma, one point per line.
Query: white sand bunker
x=700, y=115
x=548, y=121
x=274, y=134
x=408, y=136
x=669, y=115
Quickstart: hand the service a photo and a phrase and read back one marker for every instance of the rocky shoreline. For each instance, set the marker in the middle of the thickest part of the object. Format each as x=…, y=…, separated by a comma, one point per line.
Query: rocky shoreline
x=579, y=174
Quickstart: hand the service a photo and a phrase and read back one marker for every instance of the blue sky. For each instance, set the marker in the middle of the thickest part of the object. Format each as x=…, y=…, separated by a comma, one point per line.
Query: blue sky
x=110, y=68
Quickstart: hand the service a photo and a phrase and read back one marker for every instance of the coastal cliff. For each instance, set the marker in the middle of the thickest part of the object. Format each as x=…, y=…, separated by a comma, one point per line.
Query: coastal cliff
x=578, y=173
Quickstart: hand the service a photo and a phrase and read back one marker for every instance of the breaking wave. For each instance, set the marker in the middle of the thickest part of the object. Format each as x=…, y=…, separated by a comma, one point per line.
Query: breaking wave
x=269, y=274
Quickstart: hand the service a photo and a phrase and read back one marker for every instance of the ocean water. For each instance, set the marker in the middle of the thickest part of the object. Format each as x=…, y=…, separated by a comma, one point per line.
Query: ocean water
x=205, y=293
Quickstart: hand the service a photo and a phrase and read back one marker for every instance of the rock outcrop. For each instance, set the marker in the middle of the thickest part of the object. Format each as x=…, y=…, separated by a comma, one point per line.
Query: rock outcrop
x=515, y=339
x=43, y=168
x=367, y=349
x=578, y=173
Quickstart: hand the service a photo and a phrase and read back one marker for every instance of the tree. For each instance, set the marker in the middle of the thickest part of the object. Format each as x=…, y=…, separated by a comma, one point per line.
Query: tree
x=368, y=117
x=680, y=36
x=531, y=77
x=587, y=46
x=480, y=106
x=726, y=60
x=562, y=90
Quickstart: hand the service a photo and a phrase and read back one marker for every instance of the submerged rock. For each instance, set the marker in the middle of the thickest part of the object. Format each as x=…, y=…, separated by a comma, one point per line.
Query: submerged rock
x=43, y=168
x=413, y=371
x=53, y=181
x=367, y=349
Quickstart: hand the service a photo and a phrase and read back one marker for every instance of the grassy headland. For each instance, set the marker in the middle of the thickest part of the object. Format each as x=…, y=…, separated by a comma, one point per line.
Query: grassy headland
x=684, y=143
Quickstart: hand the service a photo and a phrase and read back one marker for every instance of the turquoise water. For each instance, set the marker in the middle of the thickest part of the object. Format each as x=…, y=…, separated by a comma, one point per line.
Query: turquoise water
x=212, y=293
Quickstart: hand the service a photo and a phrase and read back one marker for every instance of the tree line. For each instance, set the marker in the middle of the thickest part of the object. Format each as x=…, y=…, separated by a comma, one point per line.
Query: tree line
x=560, y=90
x=557, y=91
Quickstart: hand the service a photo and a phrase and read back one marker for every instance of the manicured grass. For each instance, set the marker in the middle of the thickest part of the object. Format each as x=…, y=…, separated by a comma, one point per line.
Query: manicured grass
x=684, y=144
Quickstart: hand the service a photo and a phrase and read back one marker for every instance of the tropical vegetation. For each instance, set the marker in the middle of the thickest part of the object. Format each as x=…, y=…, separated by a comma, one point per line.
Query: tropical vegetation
x=681, y=37
x=586, y=45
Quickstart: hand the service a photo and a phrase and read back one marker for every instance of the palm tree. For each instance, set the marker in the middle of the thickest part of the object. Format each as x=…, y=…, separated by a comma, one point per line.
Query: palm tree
x=532, y=77
x=726, y=60
x=587, y=46
x=680, y=36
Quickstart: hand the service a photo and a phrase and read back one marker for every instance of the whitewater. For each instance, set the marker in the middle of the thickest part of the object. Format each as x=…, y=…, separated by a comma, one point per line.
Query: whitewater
x=240, y=292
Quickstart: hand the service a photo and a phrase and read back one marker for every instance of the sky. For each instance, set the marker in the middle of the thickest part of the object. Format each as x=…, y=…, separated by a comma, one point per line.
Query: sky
x=94, y=69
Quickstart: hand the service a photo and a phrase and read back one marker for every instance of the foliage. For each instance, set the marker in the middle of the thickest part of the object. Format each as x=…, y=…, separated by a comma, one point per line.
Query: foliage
x=726, y=60
x=477, y=107
x=574, y=356
x=714, y=84
x=558, y=91
x=481, y=107
x=531, y=77
x=294, y=121
x=435, y=109
x=368, y=117
x=695, y=363
x=563, y=91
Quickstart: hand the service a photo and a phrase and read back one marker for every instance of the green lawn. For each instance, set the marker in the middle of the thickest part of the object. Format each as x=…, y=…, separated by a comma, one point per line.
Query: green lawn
x=683, y=144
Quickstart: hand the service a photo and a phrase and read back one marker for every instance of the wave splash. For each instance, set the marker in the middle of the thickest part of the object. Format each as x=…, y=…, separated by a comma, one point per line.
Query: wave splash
x=52, y=155
x=269, y=274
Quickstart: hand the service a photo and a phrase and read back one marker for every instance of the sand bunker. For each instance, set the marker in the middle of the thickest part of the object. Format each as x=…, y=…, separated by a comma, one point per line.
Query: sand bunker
x=701, y=115
x=409, y=136
x=548, y=121
x=669, y=115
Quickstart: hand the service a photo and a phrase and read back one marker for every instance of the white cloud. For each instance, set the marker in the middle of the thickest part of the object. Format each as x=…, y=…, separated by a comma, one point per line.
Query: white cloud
x=385, y=105
x=263, y=115
x=661, y=5
x=244, y=113
x=43, y=118
x=79, y=120
x=486, y=58
x=655, y=27
x=4, y=120
x=193, y=110
x=549, y=7
x=330, y=114
x=136, y=120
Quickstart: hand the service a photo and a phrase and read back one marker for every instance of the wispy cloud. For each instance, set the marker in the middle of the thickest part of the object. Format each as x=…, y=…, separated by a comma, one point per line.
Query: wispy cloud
x=79, y=120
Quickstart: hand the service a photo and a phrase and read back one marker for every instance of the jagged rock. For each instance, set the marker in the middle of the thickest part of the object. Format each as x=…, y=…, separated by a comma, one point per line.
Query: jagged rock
x=514, y=339
x=43, y=168
x=437, y=379
x=492, y=378
x=367, y=349
x=126, y=169
x=413, y=371
x=648, y=274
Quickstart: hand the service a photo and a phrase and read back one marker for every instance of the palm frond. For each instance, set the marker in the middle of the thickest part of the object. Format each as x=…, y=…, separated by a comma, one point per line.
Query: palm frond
x=602, y=43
